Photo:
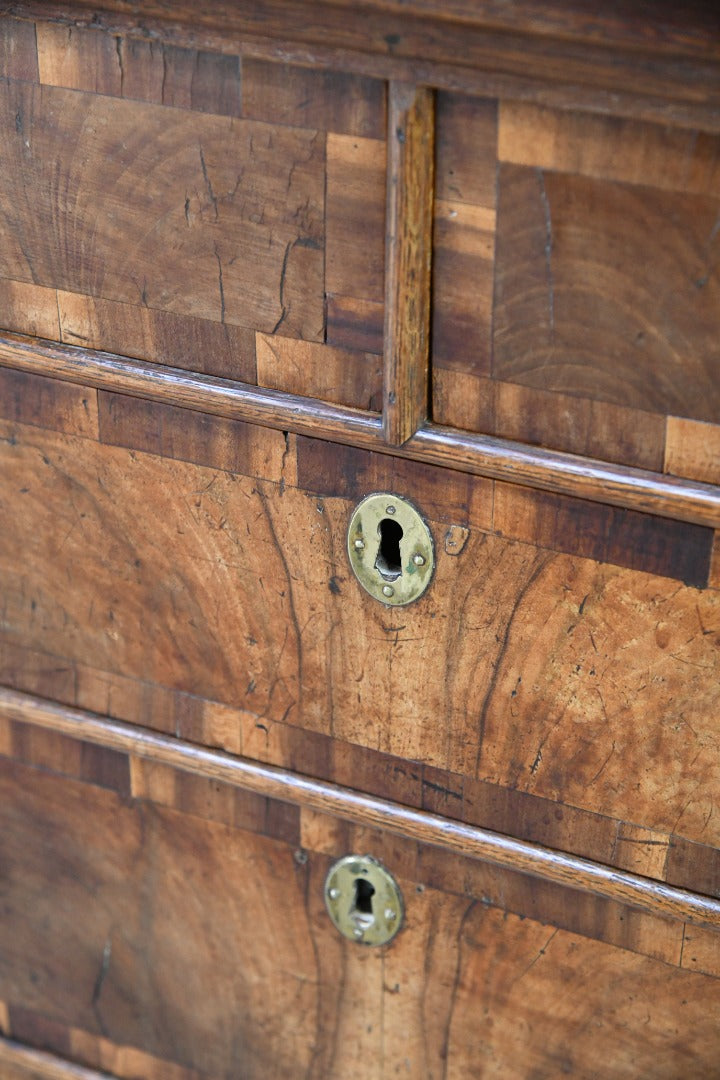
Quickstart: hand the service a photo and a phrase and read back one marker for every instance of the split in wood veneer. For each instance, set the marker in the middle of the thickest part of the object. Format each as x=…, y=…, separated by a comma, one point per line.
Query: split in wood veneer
x=408, y=260
x=571, y=871
x=481, y=455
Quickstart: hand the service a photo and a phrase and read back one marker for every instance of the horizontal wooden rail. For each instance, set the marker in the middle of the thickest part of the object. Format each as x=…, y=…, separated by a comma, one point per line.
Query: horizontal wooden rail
x=418, y=825
x=481, y=455
x=39, y=1065
x=628, y=60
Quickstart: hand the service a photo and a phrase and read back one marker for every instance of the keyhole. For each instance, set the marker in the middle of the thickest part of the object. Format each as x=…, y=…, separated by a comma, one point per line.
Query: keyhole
x=362, y=910
x=388, y=562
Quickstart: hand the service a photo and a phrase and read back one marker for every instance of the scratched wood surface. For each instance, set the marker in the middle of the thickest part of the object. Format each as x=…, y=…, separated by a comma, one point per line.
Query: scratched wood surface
x=234, y=537
x=214, y=199
x=168, y=203
x=178, y=901
x=575, y=297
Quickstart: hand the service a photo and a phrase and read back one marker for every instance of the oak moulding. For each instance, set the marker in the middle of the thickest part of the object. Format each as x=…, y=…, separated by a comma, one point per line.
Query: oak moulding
x=632, y=64
x=480, y=455
x=417, y=825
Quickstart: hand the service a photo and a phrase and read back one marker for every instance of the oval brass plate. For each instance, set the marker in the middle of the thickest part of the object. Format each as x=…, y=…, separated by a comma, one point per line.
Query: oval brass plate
x=390, y=548
x=363, y=900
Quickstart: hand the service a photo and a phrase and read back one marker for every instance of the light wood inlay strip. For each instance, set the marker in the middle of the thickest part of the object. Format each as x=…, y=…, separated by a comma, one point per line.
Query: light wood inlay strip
x=481, y=455
x=36, y=1064
x=418, y=825
x=408, y=251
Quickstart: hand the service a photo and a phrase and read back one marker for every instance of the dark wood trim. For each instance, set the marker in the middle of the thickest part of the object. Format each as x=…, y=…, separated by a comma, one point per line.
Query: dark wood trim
x=408, y=257
x=367, y=810
x=644, y=62
x=480, y=455
x=39, y=1065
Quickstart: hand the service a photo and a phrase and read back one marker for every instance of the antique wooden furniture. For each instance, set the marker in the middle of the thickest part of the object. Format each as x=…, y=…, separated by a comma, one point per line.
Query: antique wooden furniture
x=258, y=261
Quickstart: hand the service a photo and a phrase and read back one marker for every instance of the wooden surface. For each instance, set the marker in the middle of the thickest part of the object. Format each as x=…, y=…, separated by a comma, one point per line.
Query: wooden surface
x=23, y=1063
x=408, y=251
x=621, y=678
x=659, y=66
x=258, y=261
x=413, y=1006
x=590, y=479
x=269, y=782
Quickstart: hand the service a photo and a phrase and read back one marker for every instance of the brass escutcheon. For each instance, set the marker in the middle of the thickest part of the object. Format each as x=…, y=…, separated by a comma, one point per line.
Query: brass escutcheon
x=363, y=900
x=390, y=548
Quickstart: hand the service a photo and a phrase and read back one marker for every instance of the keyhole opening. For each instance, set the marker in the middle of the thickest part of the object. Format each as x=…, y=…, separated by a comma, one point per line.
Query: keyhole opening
x=388, y=562
x=362, y=909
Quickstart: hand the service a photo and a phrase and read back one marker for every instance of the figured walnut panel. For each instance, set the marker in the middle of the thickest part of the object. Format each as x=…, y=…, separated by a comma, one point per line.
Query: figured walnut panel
x=605, y=290
x=206, y=216
x=197, y=900
x=253, y=578
x=505, y=810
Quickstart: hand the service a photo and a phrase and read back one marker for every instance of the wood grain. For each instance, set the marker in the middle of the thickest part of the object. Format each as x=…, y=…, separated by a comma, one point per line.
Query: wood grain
x=23, y=1063
x=644, y=75
x=572, y=312
x=590, y=916
x=329, y=993
x=615, y=485
x=506, y=810
x=465, y=149
x=355, y=217
x=408, y=252
x=109, y=537
x=29, y=309
x=623, y=537
x=18, y=50
x=692, y=449
x=355, y=324
x=103, y=63
x=425, y=787
x=349, y=473
x=30, y=399
x=230, y=445
x=702, y=860
x=163, y=204
x=609, y=148
x=714, y=575
x=565, y=422
x=464, y=233
x=343, y=376
x=463, y=265
x=651, y=896
x=335, y=101
x=162, y=337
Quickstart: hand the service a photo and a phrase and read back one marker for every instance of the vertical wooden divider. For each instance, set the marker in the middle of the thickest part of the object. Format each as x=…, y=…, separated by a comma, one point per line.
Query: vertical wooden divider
x=408, y=255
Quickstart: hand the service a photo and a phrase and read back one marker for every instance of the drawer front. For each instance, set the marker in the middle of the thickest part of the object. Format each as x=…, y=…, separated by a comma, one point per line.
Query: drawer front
x=228, y=292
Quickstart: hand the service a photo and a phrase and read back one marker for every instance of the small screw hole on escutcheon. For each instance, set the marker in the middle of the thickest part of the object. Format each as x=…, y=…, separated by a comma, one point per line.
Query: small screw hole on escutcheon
x=388, y=562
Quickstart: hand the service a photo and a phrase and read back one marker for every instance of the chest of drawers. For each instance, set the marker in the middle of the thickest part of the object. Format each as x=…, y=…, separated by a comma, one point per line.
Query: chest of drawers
x=259, y=261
